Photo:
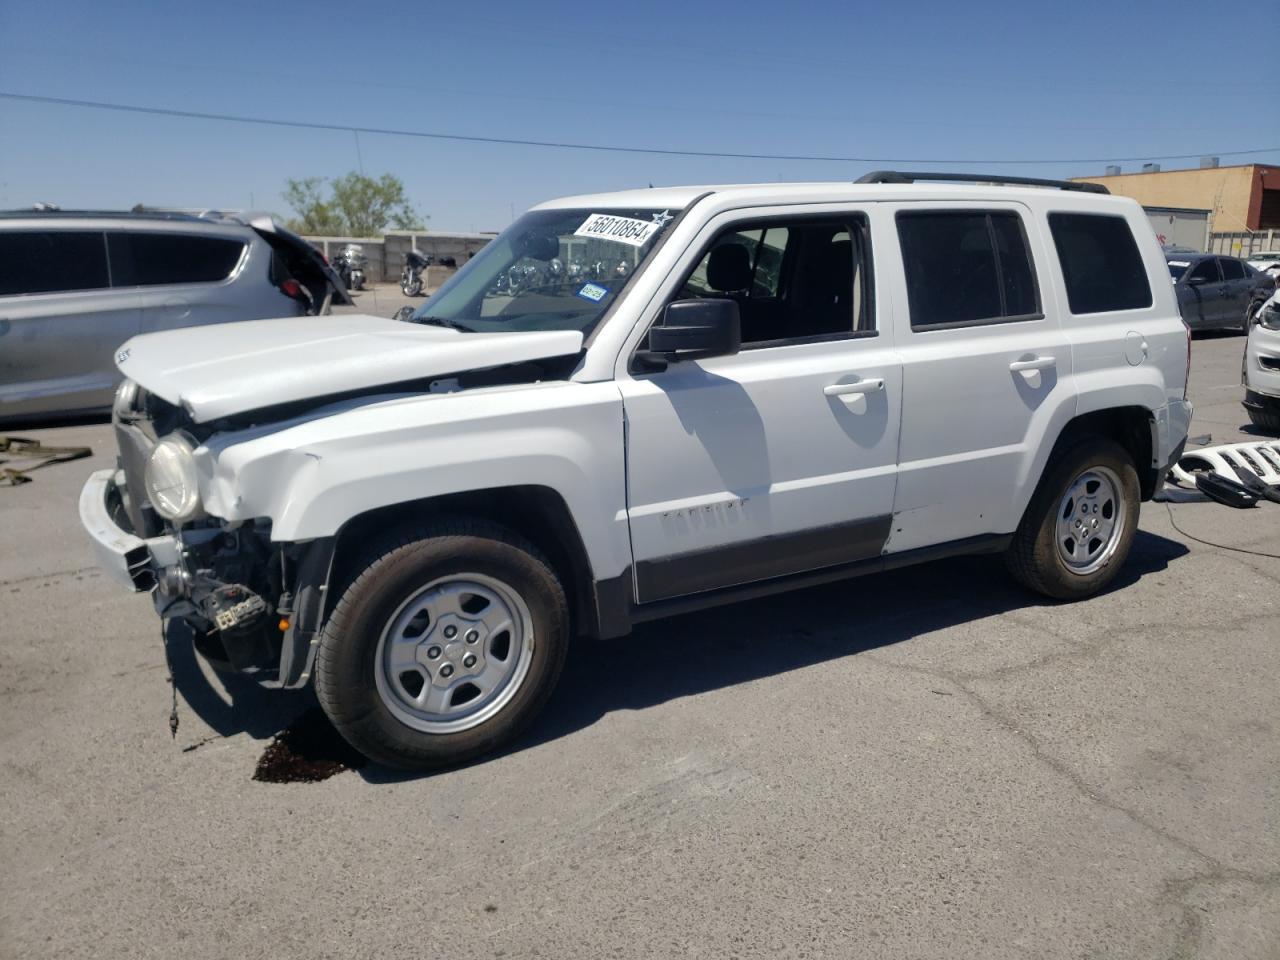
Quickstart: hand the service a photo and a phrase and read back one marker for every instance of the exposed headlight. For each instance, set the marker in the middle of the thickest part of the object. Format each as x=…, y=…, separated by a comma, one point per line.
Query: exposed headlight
x=1270, y=316
x=122, y=408
x=170, y=479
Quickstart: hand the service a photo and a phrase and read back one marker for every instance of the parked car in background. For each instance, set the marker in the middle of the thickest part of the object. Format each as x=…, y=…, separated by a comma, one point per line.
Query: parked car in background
x=75, y=285
x=1266, y=261
x=1216, y=292
x=1261, y=370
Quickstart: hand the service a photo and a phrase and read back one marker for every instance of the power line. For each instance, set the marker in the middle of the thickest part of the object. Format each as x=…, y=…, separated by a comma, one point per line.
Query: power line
x=607, y=148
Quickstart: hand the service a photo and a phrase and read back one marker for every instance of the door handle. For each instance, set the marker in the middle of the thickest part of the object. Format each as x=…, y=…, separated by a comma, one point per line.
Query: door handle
x=1035, y=363
x=870, y=385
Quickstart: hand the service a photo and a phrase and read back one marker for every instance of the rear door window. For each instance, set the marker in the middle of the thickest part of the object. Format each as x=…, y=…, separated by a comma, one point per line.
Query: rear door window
x=1101, y=264
x=1231, y=269
x=52, y=261
x=154, y=259
x=966, y=267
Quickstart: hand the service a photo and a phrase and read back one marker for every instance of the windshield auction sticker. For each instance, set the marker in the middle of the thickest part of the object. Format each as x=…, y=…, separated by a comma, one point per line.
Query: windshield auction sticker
x=604, y=226
x=593, y=292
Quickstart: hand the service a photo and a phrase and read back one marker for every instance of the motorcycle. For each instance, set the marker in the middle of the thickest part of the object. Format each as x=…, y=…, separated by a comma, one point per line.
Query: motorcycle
x=415, y=263
x=350, y=262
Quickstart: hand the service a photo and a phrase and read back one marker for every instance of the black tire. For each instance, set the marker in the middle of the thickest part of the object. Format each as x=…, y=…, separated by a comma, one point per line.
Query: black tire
x=391, y=572
x=1249, y=311
x=1265, y=418
x=1033, y=558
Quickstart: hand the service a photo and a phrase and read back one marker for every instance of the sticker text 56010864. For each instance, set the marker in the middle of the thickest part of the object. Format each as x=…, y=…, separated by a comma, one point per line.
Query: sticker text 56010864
x=604, y=226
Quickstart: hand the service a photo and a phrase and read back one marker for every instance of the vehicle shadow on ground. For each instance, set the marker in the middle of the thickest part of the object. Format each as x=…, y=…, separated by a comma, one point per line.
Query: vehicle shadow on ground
x=680, y=657
x=723, y=647
x=229, y=703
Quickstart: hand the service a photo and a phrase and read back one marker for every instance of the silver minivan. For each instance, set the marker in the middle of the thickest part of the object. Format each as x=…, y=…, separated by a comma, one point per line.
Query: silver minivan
x=74, y=286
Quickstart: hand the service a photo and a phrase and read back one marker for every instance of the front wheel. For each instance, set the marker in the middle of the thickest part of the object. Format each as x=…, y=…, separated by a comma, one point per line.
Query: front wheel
x=445, y=645
x=1079, y=527
x=1247, y=322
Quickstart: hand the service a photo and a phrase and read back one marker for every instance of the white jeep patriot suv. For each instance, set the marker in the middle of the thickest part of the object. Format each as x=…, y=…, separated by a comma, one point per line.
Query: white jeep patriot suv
x=756, y=388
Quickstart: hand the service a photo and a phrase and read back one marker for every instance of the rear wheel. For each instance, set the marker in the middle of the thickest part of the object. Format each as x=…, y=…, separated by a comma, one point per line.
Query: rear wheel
x=445, y=646
x=1079, y=527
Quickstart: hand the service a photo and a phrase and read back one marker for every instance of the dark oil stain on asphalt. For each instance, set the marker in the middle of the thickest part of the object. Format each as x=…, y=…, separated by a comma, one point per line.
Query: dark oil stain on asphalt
x=307, y=751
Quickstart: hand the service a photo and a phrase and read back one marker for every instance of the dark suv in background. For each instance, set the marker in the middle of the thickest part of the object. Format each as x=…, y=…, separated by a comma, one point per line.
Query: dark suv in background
x=1216, y=292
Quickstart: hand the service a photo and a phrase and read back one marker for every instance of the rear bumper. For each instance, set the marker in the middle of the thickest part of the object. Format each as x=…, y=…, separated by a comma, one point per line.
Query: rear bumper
x=1173, y=423
x=129, y=559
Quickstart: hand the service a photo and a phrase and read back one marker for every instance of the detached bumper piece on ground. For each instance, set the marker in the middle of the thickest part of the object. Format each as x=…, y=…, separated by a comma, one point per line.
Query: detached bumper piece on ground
x=1235, y=474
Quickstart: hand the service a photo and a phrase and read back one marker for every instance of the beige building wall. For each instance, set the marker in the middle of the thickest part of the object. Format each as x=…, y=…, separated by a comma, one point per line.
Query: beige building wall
x=1226, y=192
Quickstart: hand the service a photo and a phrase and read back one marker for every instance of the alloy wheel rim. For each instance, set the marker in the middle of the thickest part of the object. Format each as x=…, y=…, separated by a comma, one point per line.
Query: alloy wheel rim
x=454, y=653
x=1092, y=517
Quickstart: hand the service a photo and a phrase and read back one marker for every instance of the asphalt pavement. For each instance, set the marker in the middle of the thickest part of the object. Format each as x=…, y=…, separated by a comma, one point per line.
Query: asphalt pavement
x=928, y=763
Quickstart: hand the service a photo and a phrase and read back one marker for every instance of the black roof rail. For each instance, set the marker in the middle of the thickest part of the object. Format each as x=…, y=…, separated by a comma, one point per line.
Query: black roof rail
x=898, y=176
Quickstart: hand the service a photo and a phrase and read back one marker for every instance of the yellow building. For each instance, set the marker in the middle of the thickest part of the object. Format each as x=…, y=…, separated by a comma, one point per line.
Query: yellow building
x=1244, y=197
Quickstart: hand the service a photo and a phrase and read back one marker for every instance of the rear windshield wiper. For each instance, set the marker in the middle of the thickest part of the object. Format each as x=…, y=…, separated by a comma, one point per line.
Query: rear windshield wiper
x=443, y=322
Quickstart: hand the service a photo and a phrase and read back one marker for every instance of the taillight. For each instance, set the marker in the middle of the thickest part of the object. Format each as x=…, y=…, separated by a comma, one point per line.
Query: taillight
x=292, y=288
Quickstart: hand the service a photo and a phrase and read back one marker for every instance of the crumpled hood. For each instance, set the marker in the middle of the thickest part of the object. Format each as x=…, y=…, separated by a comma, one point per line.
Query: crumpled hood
x=229, y=368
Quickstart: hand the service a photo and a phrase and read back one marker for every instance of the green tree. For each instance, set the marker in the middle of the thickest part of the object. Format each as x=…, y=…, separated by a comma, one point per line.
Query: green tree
x=357, y=206
x=314, y=215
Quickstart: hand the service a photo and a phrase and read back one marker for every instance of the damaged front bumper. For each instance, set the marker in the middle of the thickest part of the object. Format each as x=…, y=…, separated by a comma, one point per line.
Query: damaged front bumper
x=126, y=557
x=209, y=577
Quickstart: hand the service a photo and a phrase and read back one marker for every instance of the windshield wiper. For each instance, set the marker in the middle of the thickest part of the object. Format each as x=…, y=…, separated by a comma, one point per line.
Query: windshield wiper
x=443, y=322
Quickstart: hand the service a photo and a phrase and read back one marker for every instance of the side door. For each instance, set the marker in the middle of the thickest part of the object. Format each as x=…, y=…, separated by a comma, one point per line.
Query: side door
x=779, y=459
x=985, y=365
x=183, y=279
x=60, y=322
x=1204, y=286
x=1237, y=291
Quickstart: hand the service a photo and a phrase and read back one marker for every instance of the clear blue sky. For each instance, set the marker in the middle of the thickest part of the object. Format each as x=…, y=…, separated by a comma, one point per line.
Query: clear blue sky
x=900, y=81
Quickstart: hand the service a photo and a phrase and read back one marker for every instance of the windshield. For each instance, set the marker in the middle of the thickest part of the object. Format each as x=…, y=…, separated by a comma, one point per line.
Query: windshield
x=1266, y=255
x=550, y=270
x=1177, y=268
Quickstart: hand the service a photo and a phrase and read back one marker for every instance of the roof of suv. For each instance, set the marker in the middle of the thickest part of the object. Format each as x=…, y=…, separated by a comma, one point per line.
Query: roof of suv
x=211, y=218
x=815, y=192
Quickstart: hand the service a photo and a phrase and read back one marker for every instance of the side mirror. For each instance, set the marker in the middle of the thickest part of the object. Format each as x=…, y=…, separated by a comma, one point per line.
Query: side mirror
x=694, y=330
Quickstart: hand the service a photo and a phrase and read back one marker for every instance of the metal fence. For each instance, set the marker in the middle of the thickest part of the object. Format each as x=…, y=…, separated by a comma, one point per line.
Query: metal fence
x=1243, y=244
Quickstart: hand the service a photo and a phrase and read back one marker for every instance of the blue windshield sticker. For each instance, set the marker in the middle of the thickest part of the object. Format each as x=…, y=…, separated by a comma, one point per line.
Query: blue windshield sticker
x=593, y=292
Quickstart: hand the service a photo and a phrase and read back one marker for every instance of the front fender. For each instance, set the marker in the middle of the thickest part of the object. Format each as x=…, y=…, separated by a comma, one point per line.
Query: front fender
x=311, y=477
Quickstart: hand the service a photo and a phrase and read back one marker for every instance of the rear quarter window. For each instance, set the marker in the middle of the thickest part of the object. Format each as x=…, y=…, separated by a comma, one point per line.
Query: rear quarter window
x=1101, y=264
x=154, y=259
x=51, y=261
